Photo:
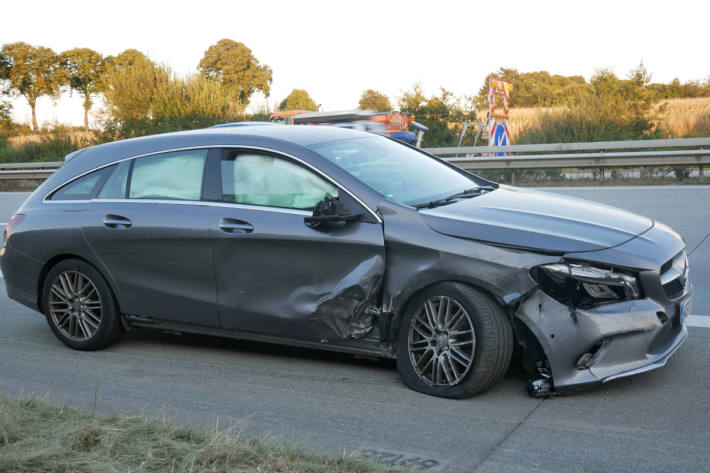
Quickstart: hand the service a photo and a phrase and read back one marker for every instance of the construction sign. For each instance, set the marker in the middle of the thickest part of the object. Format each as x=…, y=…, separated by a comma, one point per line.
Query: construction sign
x=498, y=111
x=500, y=134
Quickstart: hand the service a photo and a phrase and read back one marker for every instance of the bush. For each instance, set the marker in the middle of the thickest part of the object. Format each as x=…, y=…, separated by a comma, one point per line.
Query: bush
x=172, y=104
x=51, y=146
x=577, y=124
x=609, y=110
x=7, y=127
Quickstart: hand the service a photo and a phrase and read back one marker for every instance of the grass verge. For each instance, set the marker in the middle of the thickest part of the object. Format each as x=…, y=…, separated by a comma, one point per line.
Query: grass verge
x=36, y=436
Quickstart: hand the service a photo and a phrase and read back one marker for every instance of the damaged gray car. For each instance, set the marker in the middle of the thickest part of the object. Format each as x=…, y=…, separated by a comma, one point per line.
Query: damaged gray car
x=335, y=239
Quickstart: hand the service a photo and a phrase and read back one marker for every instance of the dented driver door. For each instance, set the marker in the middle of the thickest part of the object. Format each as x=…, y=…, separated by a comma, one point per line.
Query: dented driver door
x=275, y=274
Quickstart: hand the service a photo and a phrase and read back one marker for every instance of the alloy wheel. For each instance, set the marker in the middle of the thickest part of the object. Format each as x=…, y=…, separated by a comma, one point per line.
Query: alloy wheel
x=75, y=305
x=441, y=341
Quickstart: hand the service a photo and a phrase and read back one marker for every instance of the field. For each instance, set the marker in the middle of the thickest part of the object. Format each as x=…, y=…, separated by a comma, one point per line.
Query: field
x=679, y=117
x=684, y=117
x=79, y=137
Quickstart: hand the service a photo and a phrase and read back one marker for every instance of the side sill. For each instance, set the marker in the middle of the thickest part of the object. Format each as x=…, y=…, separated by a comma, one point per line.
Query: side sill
x=365, y=346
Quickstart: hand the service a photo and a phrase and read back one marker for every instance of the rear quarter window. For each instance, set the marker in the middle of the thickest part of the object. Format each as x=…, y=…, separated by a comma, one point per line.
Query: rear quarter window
x=115, y=186
x=85, y=187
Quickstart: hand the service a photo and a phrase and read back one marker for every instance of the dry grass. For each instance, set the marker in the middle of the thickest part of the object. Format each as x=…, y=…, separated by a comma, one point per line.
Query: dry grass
x=522, y=118
x=679, y=117
x=682, y=117
x=76, y=136
x=38, y=437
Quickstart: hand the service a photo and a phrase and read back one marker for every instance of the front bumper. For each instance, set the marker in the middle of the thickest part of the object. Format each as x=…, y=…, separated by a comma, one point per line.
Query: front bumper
x=589, y=347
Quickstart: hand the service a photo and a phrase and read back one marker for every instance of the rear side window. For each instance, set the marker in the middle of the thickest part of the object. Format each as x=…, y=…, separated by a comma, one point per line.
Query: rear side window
x=84, y=188
x=261, y=179
x=173, y=176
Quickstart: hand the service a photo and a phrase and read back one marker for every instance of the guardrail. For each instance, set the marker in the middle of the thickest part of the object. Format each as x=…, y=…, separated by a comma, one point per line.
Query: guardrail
x=601, y=154
x=29, y=170
x=671, y=152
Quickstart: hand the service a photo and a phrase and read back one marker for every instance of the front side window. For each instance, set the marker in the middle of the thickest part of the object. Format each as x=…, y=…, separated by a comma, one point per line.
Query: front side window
x=261, y=179
x=172, y=176
x=396, y=171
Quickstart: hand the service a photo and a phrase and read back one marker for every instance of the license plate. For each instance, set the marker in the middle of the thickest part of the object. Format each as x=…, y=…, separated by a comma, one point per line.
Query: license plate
x=685, y=307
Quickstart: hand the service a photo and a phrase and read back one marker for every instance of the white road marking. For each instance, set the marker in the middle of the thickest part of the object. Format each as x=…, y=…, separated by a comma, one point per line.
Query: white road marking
x=3, y=223
x=604, y=188
x=699, y=321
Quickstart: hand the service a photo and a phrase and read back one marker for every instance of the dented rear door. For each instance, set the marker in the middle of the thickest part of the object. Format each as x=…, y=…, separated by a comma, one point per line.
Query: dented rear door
x=278, y=276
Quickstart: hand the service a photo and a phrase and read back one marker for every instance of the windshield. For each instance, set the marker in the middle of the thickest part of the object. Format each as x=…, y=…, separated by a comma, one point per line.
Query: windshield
x=396, y=171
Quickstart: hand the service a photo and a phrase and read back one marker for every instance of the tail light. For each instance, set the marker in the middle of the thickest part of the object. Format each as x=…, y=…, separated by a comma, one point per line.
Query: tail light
x=14, y=221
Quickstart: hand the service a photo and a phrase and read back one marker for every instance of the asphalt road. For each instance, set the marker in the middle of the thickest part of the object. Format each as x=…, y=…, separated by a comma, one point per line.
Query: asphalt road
x=656, y=421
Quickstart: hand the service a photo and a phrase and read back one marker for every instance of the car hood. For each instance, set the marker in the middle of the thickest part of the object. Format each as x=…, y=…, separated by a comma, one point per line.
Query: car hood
x=536, y=220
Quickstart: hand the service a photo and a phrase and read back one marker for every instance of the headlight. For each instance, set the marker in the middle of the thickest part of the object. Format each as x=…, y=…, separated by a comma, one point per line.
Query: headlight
x=581, y=285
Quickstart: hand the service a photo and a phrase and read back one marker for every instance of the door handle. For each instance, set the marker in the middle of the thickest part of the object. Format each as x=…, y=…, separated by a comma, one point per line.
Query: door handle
x=117, y=222
x=231, y=225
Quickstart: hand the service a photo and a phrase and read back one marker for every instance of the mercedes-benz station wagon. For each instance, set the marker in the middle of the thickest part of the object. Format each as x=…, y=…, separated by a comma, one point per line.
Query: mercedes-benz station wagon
x=336, y=239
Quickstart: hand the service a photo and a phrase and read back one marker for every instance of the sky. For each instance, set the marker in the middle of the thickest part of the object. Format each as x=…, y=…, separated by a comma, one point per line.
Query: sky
x=336, y=49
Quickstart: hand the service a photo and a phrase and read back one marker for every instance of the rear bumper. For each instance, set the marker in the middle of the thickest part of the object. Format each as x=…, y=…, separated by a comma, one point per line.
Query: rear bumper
x=590, y=347
x=20, y=274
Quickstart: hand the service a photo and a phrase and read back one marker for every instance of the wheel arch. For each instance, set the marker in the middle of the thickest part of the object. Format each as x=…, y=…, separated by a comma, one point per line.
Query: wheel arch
x=531, y=350
x=53, y=261
x=398, y=313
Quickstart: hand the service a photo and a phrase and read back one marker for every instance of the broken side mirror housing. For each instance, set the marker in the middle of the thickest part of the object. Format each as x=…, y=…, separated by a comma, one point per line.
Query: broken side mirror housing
x=330, y=209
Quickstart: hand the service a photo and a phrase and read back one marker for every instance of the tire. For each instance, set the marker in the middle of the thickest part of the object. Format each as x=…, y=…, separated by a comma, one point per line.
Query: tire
x=490, y=343
x=87, y=319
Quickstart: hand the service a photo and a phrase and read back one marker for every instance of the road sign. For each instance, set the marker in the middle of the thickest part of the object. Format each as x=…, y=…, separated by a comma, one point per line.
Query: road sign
x=498, y=111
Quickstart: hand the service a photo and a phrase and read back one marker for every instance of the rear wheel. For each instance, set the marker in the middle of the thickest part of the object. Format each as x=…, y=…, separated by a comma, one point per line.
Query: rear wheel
x=80, y=307
x=454, y=341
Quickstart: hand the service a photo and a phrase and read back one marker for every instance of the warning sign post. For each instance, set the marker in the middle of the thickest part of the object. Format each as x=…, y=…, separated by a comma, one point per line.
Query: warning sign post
x=498, y=111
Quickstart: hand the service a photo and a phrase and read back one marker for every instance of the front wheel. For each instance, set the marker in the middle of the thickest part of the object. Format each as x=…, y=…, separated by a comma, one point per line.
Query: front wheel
x=454, y=341
x=80, y=307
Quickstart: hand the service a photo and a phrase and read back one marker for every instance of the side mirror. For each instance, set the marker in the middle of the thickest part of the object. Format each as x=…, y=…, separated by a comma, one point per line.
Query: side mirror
x=330, y=209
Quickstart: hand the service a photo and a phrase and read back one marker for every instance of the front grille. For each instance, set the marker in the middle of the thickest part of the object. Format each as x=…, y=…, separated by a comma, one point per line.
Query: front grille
x=673, y=289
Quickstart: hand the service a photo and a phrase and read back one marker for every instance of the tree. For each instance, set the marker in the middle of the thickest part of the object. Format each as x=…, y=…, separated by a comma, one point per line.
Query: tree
x=373, y=100
x=86, y=71
x=298, y=99
x=234, y=65
x=33, y=72
x=533, y=89
x=130, y=84
x=639, y=100
x=127, y=58
x=608, y=109
x=442, y=114
x=144, y=98
x=5, y=65
x=6, y=125
x=411, y=101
